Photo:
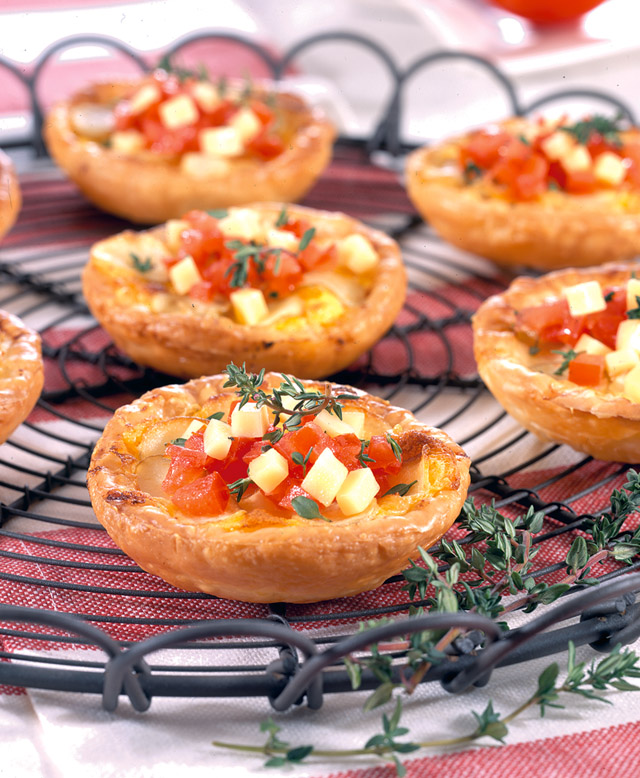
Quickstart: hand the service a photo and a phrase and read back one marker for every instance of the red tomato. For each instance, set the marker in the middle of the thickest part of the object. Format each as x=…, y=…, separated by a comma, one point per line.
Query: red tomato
x=522, y=171
x=346, y=448
x=186, y=465
x=580, y=182
x=597, y=144
x=301, y=440
x=604, y=325
x=262, y=111
x=586, y=369
x=266, y=144
x=312, y=256
x=282, y=274
x=548, y=11
x=632, y=153
x=297, y=226
x=379, y=449
x=233, y=466
x=206, y=496
x=483, y=148
x=221, y=114
x=551, y=323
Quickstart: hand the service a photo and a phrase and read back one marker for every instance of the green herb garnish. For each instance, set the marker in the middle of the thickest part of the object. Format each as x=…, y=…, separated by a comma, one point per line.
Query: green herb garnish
x=218, y=416
x=363, y=458
x=634, y=313
x=283, y=217
x=306, y=239
x=471, y=172
x=609, y=296
x=141, y=265
x=239, y=487
x=567, y=356
x=307, y=508
x=395, y=446
x=302, y=460
x=218, y=213
x=400, y=489
x=178, y=442
x=583, y=130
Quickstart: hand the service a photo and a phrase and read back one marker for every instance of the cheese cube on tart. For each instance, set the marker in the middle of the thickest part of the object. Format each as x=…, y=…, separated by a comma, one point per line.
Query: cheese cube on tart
x=585, y=298
x=217, y=439
x=206, y=95
x=269, y=470
x=621, y=361
x=184, y=275
x=249, y=306
x=178, y=112
x=633, y=293
x=628, y=335
x=357, y=491
x=246, y=124
x=332, y=425
x=609, y=169
x=127, y=141
x=144, y=98
x=590, y=345
x=325, y=478
x=355, y=419
x=249, y=421
x=221, y=142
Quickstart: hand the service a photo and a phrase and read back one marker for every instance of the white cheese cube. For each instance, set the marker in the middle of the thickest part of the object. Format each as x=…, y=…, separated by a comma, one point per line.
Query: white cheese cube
x=620, y=361
x=576, y=160
x=356, y=252
x=590, y=345
x=144, y=98
x=249, y=421
x=354, y=419
x=179, y=111
x=249, y=306
x=172, y=232
x=324, y=479
x=246, y=124
x=357, y=491
x=242, y=223
x=628, y=335
x=127, y=141
x=585, y=298
x=633, y=291
x=195, y=426
x=559, y=144
x=217, y=439
x=332, y=425
x=184, y=274
x=268, y=470
x=203, y=166
x=632, y=385
x=282, y=239
x=205, y=95
x=220, y=141
x=609, y=168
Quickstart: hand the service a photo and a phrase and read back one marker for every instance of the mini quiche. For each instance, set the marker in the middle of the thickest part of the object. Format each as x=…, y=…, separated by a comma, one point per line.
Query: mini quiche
x=281, y=287
x=151, y=150
x=281, y=491
x=21, y=372
x=538, y=193
x=561, y=353
x=10, y=199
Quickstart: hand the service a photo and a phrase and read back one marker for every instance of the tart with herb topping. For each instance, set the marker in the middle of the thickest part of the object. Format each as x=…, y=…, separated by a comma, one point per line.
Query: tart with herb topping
x=10, y=199
x=264, y=488
x=561, y=353
x=538, y=193
x=151, y=150
x=21, y=374
x=281, y=287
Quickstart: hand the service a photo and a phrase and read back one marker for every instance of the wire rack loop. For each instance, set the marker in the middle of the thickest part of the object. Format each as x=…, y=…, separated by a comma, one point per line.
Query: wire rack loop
x=119, y=667
x=571, y=607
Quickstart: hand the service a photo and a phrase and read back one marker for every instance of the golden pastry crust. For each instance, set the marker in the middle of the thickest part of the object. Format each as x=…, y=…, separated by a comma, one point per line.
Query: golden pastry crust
x=148, y=188
x=555, y=231
x=602, y=424
x=196, y=340
x=21, y=373
x=10, y=198
x=265, y=554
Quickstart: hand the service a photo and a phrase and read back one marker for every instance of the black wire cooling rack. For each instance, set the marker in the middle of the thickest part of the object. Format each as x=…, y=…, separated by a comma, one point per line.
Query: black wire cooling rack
x=64, y=586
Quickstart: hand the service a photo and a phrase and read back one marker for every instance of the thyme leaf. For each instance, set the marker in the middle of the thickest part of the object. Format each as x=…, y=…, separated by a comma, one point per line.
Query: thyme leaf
x=141, y=265
x=401, y=489
x=307, y=508
x=583, y=130
x=239, y=487
x=567, y=356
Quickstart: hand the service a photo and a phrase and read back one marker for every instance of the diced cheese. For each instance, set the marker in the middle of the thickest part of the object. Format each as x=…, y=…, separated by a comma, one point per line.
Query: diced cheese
x=179, y=111
x=217, y=439
x=249, y=421
x=282, y=239
x=620, y=361
x=195, y=426
x=184, y=274
x=628, y=335
x=145, y=97
x=357, y=491
x=590, y=345
x=324, y=479
x=242, y=223
x=576, y=160
x=332, y=425
x=206, y=95
x=585, y=298
x=127, y=141
x=172, y=231
x=246, y=124
x=609, y=168
x=354, y=419
x=268, y=470
x=249, y=306
x=557, y=145
x=633, y=291
x=202, y=166
x=220, y=141
x=356, y=252
x=632, y=385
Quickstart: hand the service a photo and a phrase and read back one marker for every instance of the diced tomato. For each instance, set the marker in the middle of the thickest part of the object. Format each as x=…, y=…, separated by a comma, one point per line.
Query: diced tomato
x=598, y=144
x=603, y=325
x=292, y=491
x=218, y=274
x=312, y=256
x=297, y=226
x=632, y=155
x=522, y=172
x=206, y=496
x=483, y=148
x=581, y=182
x=233, y=466
x=308, y=436
x=254, y=452
x=551, y=323
x=262, y=111
x=282, y=274
x=221, y=114
x=586, y=369
x=346, y=448
x=557, y=175
x=185, y=466
x=266, y=144
x=379, y=449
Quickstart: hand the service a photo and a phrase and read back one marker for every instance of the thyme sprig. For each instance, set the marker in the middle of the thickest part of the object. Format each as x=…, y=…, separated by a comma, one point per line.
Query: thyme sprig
x=246, y=254
x=567, y=356
x=608, y=128
x=587, y=681
x=306, y=403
